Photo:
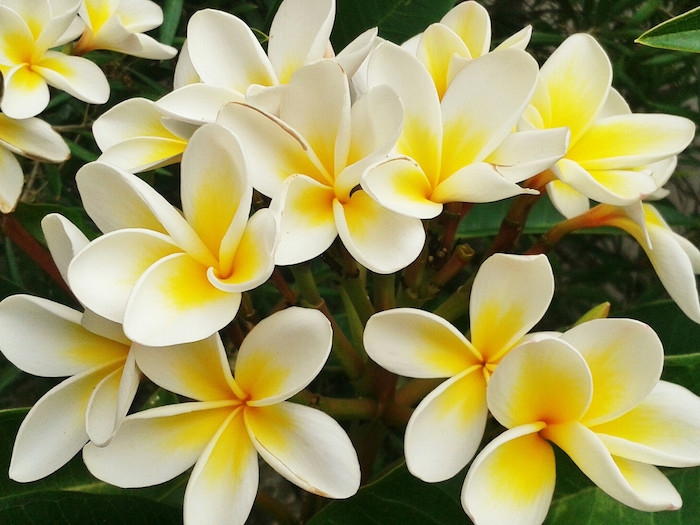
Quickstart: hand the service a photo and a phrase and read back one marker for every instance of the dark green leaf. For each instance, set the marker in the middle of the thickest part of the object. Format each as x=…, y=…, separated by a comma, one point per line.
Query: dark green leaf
x=171, y=18
x=681, y=33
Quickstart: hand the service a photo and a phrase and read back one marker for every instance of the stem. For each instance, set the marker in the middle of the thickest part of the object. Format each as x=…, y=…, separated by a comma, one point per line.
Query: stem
x=414, y=390
x=456, y=304
x=451, y=217
x=384, y=295
x=460, y=258
x=339, y=408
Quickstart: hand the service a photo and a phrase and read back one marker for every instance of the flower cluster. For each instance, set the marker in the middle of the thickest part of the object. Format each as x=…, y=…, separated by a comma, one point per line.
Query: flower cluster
x=367, y=158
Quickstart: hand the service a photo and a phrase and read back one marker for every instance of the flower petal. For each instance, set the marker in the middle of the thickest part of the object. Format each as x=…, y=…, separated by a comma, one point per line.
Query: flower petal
x=198, y=370
x=299, y=35
x=173, y=302
x=144, y=153
x=59, y=347
x=25, y=93
x=54, y=429
x=512, y=479
x=436, y=47
x=543, y=380
x=637, y=485
x=156, y=445
x=224, y=481
x=472, y=23
x=105, y=261
x=510, y=295
x=566, y=199
x=104, y=415
x=446, y=428
x=379, y=239
x=64, y=240
x=76, y=76
x=11, y=182
x=282, y=355
x=307, y=447
x=33, y=138
x=416, y=343
x=625, y=358
x=197, y=103
x=661, y=430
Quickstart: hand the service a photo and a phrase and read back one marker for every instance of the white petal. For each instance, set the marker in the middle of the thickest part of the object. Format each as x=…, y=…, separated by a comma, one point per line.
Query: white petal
x=566, y=199
x=64, y=240
x=305, y=446
x=197, y=103
x=283, y=354
x=76, y=76
x=11, y=182
x=472, y=23
x=25, y=93
x=107, y=408
x=33, y=138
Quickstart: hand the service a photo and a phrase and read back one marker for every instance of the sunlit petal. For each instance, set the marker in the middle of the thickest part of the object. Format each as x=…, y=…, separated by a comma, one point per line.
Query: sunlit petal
x=416, y=343
x=625, y=358
x=510, y=295
x=76, y=76
x=543, y=380
x=25, y=94
x=446, y=428
x=144, y=153
x=437, y=46
x=512, y=479
x=472, y=23
x=378, y=238
x=197, y=103
x=661, y=430
x=173, y=302
x=156, y=445
x=283, y=354
x=307, y=447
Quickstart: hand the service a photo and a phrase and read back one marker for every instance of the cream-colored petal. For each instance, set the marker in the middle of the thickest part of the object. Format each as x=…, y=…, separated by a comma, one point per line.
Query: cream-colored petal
x=140, y=15
x=59, y=346
x=542, y=380
x=416, y=343
x=512, y=479
x=224, y=481
x=197, y=370
x=64, y=240
x=379, y=239
x=144, y=153
x=352, y=56
x=25, y=93
x=625, y=358
x=76, y=76
x=307, y=447
x=510, y=295
x=299, y=35
x=436, y=47
x=198, y=103
x=661, y=430
x=446, y=428
x=566, y=199
x=105, y=412
x=637, y=485
x=103, y=274
x=282, y=355
x=11, y=181
x=54, y=429
x=185, y=73
x=173, y=302
x=472, y=23
x=156, y=445
x=225, y=52
x=33, y=138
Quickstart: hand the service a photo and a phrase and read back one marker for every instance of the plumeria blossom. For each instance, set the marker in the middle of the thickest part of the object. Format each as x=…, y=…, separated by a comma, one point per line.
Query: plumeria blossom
x=464, y=33
x=135, y=136
x=231, y=65
x=28, y=31
x=595, y=393
x=232, y=419
x=675, y=259
x=309, y=161
x=33, y=138
x=119, y=26
x=93, y=401
x=460, y=148
x=174, y=277
x=612, y=152
x=509, y=296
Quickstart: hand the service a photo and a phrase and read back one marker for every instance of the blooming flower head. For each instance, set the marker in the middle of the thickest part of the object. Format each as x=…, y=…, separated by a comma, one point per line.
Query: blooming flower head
x=309, y=161
x=119, y=26
x=611, y=148
x=33, y=138
x=509, y=296
x=232, y=420
x=174, y=277
x=224, y=62
x=28, y=31
x=460, y=148
x=93, y=401
x=595, y=393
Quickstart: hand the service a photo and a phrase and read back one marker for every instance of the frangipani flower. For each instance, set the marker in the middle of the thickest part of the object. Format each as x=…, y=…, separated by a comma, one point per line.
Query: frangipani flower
x=170, y=277
x=460, y=149
x=309, y=161
x=464, y=33
x=93, y=401
x=509, y=296
x=226, y=57
x=595, y=393
x=31, y=138
x=135, y=136
x=611, y=149
x=28, y=29
x=232, y=420
x=119, y=26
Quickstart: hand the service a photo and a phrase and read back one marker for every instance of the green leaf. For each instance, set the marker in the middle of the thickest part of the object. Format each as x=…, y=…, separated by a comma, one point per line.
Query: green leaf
x=72, y=496
x=172, y=10
x=398, y=20
x=681, y=33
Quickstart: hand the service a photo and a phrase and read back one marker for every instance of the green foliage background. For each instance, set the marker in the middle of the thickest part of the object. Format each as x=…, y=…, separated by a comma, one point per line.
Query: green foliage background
x=589, y=269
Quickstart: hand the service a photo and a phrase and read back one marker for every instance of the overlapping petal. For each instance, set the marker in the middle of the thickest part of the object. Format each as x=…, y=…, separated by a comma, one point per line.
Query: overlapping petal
x=76, y=76
x=11, y=182
x=32, y=138
x=64, y=240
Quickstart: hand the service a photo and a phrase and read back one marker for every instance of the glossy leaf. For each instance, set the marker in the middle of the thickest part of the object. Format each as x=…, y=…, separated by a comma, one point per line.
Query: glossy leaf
x=681, y=33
